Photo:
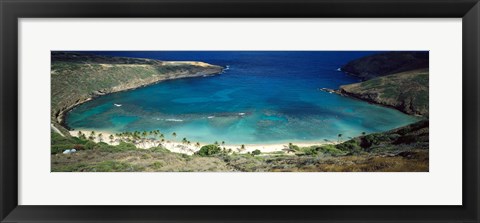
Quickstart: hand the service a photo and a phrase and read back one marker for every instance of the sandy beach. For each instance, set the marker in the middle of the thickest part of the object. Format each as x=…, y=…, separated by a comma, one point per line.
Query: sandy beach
x=179, y=147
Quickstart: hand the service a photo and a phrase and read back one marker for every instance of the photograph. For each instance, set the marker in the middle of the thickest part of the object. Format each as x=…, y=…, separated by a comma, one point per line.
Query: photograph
x=207, y=111
x=239, y=111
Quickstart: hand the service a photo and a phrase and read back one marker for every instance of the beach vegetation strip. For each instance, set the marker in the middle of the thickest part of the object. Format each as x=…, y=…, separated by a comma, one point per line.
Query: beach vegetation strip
x=400, y=150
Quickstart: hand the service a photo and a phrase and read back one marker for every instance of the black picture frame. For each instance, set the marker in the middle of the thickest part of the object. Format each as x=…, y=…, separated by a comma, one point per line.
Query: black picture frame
x=11, y=11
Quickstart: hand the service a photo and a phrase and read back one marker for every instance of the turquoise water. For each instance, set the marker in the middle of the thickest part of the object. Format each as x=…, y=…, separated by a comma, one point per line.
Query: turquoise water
x=263, y=97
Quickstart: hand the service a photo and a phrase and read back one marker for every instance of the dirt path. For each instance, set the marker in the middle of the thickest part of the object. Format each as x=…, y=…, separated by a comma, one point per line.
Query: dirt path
x=56, y=130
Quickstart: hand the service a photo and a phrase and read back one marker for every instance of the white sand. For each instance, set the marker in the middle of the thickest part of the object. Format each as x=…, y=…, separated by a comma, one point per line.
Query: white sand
x=179, y=147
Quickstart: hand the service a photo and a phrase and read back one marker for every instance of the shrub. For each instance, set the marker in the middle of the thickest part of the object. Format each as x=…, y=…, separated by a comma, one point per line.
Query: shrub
x=79, y=147
x=125, y=146
x=293, y=147
x=331, y=150
x=256, y=152
x=90, y=145
x=119, y=148
x=78, y=140
x=104, y=147
x=310, y=151
x=307, y=151
x=368, y=141
x=59, y=143
x=209, y=150
x=57, y=139
x=157, y=165
x=376, y=139
x=159, y=149
x=349, y=146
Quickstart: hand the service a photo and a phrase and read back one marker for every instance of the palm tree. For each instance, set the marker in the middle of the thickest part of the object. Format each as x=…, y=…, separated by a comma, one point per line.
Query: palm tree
x=125, y=136
x=111, y=138
x=92, y=135
x=216, y=143
x=100, y=137
x=143, y=138
x=79, y=133
x=197, y=144
x=339, y=137
x=161, y=142
x=184, y=141
x=223, y=143
x=174, y=134
x=242, y=148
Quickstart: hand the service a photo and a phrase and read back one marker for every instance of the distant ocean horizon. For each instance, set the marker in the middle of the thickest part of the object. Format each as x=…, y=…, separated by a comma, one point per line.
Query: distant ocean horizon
x=264, y=97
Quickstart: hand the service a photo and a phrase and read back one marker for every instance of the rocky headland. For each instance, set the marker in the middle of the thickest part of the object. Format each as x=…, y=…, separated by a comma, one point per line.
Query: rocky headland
x=394, y=79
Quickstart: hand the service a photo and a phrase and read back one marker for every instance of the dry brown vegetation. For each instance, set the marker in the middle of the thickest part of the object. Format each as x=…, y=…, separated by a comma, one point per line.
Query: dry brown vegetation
x=161, y=161
x=145, y=160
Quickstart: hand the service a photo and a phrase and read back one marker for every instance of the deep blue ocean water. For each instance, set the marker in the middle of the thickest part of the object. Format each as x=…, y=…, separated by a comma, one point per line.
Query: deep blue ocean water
x=263, y=97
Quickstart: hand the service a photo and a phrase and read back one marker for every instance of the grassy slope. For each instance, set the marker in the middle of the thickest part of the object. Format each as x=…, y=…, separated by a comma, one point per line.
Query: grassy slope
x=76, y=78
x=406, y=91
x=403, y=149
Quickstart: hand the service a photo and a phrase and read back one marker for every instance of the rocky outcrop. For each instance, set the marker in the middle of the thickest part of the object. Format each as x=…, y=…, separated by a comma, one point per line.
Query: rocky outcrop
x=387, y=63
x=77, y=78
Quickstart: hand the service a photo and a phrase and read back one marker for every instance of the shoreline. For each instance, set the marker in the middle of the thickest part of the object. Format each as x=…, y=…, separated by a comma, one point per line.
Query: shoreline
x=342, y=93
x=179, y=147
x=60, y=116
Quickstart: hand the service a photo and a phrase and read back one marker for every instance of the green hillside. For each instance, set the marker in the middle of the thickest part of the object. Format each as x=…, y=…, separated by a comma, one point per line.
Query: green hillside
x=406, y=91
